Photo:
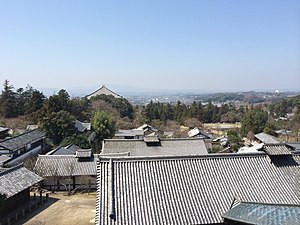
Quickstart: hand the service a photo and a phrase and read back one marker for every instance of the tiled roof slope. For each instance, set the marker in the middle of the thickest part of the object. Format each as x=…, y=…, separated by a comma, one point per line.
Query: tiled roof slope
x=64, y=166
x=277, y=149
x=191, y=189
x=68, y=150
x=178, y=146
x=17, y=179
x=267, y=139
x=22, y=140
x=103, y=91
x=81, y=127
x=126, y=133
x=262, y=214
x=3, y=159
x=294, y=145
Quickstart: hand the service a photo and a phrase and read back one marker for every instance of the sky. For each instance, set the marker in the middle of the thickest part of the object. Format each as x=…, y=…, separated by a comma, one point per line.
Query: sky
x=210, y=45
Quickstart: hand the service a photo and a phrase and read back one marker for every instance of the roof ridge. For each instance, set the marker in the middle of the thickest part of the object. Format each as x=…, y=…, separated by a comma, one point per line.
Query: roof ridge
x=186, y=157
x=141, y=140
x=56, y=156
x=270, y=204
x=19, y=135
x=103, y=86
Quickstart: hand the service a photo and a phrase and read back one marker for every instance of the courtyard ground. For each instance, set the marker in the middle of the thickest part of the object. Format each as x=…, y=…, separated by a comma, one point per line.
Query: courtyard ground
x=64, y=210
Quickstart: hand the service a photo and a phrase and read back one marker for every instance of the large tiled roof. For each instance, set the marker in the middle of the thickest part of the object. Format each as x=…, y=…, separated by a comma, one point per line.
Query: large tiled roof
x=64, y=166
x=103, y=91
x=164, y=147
x=22, y=140
x=190, y=189
x=267, y=139
x=17, y=179
x=262, y=214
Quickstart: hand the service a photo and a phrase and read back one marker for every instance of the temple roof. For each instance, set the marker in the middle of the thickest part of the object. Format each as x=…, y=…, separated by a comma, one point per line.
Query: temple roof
x=103, y=91
x=16, y=179
x=190, y=189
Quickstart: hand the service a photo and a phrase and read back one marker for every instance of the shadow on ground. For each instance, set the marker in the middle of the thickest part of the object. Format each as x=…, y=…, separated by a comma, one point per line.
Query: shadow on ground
x=35, y=211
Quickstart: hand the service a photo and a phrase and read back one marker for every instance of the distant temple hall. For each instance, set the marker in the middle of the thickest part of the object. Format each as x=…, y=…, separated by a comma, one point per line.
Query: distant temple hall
x=103, y=91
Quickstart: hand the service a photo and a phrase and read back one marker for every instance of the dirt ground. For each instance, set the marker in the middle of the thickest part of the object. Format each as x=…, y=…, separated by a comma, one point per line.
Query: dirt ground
x=64, y=210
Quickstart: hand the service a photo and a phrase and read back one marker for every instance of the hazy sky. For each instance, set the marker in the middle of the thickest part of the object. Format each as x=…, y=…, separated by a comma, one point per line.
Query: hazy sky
x=164, y=44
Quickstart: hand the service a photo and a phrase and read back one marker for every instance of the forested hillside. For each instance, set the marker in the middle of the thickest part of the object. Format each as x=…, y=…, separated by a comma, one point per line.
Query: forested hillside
x=57, y=113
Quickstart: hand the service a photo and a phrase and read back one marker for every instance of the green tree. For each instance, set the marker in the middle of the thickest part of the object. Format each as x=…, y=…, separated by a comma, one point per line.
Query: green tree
x=58, y=126
x=254, y=120
x=8, y=107
x=233, y=140
x=35, y=102
x=120, y=104
x=58, y=102
x=103, y=127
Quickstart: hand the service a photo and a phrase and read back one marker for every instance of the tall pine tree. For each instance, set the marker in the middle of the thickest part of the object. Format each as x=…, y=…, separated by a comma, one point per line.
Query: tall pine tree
x=8, y=101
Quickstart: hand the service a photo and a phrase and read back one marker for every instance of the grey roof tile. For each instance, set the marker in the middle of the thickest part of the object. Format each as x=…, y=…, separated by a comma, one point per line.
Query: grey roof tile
x=64, y=166
x=189, y=189
x=294, y=145
x=267, y=139
x=3, y=129
x=3, y=159
x=17, y=179
x=262, y=214
x=81, y=127
x=178, y=146
x=277, y=149
x=69, y=150
x=129, y=133
x=22, y=140
x=83, y=153
x=103, y=91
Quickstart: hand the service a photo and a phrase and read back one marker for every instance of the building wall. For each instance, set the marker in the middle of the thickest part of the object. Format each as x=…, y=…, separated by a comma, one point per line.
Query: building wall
x=22, y=158
x=62, y=184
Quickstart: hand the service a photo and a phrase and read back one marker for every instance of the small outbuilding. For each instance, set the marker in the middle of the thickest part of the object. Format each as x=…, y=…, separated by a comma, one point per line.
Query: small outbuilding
x=15, y=184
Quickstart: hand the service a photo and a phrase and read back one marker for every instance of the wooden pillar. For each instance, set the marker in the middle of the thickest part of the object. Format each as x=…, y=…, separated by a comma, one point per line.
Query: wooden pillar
x=41, y=197
x=58, y=185
x=74, y=182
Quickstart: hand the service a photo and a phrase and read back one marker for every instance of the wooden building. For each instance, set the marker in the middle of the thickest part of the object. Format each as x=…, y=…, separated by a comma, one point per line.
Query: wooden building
x=68, y=172
x=15, y=186
x=103, y=91
x=22, y=147
x=197, y=189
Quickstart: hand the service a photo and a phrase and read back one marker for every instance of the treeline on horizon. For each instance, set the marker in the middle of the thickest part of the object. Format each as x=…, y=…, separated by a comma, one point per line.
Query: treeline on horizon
x=57, y=113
